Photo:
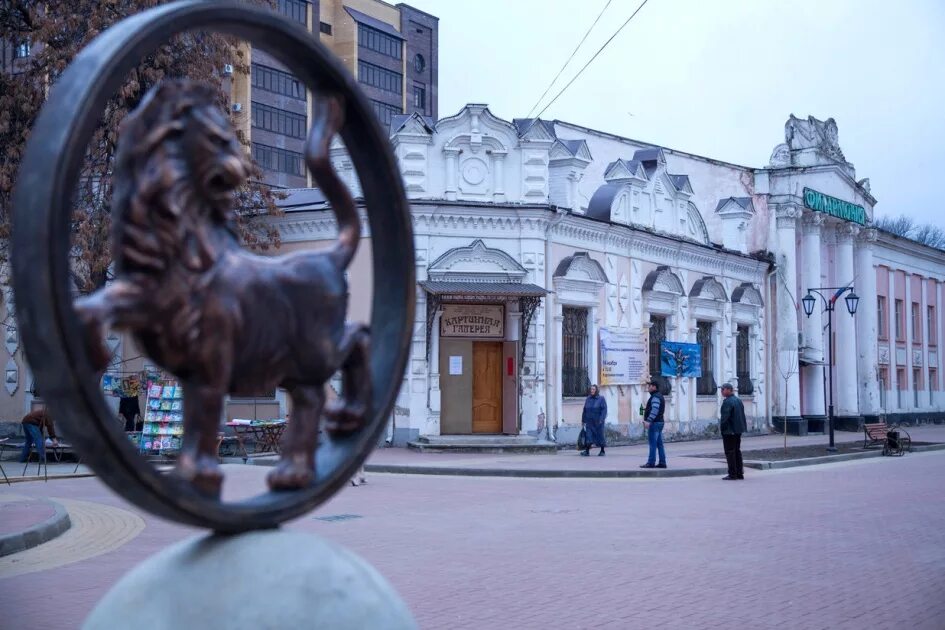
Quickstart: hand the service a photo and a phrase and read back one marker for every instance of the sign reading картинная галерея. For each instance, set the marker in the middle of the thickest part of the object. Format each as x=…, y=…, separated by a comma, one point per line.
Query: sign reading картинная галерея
x=834, y=207
x=473, y=320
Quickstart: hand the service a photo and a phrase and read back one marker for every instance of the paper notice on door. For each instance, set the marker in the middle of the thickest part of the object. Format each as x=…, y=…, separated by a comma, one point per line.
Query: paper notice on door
x=456, y=366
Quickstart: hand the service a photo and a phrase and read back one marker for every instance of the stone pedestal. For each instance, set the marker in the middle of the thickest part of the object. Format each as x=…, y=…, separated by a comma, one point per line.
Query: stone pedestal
x=796, y=425
x=265, y=579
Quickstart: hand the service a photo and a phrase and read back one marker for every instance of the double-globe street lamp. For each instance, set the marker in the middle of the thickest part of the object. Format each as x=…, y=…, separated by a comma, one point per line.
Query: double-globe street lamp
x=809, y=301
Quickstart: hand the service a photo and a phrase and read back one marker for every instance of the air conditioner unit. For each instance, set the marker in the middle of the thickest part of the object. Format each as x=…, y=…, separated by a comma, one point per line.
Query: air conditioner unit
x=227, y=69
x=237, y=107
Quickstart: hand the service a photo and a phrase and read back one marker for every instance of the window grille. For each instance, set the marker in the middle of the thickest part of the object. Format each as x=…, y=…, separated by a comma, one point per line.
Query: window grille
x=743, y=362
x=705, y=384
x=574, y=379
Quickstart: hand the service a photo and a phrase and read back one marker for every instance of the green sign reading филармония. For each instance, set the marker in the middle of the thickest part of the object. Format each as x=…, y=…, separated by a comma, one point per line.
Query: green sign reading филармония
x=834, y=207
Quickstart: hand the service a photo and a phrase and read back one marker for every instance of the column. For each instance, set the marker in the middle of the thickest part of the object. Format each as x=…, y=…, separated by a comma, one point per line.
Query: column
x=893, y=385
x=498, y=165
x=907, y=397
x=555, y=367
x=573, y=178
x=451, y=156
x=787, y=389
x=867, y=326
x=434, y=363
x=940, y=345
x=923, y=318
x=593, y=321
x=844, y=328
x=813, y=376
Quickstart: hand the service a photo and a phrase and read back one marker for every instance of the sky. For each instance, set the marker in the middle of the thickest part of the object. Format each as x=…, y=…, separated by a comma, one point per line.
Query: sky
x=719, y=77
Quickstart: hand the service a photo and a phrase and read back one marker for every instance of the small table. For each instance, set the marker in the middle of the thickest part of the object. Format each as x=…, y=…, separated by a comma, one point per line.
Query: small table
x=3, y=447
x=266, y=433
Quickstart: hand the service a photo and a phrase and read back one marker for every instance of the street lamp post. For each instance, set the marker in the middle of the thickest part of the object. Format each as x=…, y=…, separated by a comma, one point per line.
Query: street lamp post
x=852, y=301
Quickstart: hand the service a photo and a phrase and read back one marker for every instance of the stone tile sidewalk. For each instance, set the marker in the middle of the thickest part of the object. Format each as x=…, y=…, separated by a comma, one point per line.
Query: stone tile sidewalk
x=618, y=459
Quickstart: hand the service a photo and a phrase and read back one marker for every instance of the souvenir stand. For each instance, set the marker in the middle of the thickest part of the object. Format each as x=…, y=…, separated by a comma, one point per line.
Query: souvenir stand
x=163, y=418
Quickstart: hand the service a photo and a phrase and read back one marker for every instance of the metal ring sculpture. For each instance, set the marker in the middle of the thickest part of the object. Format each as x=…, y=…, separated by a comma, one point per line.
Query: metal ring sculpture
x=40, y=255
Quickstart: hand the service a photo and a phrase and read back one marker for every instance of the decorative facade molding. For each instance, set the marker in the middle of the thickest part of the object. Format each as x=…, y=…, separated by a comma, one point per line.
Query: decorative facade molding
x=476, y=263
x=11, y=377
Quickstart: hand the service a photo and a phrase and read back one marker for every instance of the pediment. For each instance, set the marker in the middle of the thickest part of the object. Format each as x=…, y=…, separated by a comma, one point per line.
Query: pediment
x=736, y=206
x=624, y=169
x=559, y=152
x=474, y=124
x=538, y=131
x=663, y=280
x=580, y=266
x=708, y=288
x=747, y=293
x=681, y=183
x=474, y=262
x=415, y=125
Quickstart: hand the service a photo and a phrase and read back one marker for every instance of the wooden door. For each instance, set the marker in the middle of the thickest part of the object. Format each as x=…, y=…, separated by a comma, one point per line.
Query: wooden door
x=487, y=387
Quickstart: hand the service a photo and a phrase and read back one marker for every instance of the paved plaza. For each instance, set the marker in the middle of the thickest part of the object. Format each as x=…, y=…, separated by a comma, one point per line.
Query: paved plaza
x=858, y=544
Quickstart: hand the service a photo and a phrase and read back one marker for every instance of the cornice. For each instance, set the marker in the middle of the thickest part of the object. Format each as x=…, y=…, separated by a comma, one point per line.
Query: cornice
x=433, y=218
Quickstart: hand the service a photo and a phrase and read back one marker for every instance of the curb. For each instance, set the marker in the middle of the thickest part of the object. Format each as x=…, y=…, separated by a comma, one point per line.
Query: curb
x=50, y=478
x=542, y=473
x=828, y=459
x=54, y=526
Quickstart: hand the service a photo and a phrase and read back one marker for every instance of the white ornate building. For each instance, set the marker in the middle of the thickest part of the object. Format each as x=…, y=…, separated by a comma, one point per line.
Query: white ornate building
x=548, y=232
x=533, y=235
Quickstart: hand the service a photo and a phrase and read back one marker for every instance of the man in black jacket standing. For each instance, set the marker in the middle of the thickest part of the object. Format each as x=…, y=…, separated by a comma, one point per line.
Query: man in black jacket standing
x=731, y=426
x=653, y=421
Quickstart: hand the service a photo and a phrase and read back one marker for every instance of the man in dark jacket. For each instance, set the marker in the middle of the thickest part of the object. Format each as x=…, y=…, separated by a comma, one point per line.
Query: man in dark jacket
x=731, y=425
x=35, y=424
x=653, y=420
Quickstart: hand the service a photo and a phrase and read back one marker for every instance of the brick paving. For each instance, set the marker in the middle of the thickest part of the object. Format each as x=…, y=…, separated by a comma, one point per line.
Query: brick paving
x=854, y=545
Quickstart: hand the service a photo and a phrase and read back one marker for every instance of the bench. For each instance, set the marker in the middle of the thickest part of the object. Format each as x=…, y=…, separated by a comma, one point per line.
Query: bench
x=874, y=434
x=877, y=434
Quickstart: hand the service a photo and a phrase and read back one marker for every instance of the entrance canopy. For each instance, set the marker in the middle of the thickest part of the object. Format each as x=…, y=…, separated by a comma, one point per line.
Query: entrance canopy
x=529, y=297
x=445, y=288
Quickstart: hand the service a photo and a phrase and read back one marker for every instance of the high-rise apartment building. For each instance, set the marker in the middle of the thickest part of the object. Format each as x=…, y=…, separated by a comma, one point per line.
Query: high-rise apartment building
x=391, y=50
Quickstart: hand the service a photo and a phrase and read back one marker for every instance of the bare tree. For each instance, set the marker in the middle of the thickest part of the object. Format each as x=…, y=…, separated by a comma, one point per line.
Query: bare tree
x=47, y=36
x=788, y=369
x=931, y=235
x=906, y=227
x=900, y=226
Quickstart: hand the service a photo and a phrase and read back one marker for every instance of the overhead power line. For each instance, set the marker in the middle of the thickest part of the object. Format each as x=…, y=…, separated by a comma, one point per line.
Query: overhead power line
x=566, y=63
x=591, y=60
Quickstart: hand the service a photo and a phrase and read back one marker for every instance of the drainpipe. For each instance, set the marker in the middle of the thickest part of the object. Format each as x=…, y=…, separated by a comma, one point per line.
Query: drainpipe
x=770, y=340
x=550, y=370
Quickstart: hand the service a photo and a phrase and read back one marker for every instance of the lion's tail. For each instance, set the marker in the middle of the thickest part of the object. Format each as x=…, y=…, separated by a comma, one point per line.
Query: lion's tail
x=327, y=120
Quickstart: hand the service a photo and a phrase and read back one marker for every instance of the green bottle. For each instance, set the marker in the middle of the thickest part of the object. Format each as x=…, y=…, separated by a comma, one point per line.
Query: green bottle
x=641, y=409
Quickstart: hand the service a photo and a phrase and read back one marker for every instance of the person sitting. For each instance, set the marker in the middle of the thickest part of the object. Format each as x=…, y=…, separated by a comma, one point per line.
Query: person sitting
x=34, y=423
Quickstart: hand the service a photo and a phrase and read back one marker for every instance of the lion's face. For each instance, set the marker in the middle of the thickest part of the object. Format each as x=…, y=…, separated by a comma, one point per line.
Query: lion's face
x=178, y=163
x=218, y=163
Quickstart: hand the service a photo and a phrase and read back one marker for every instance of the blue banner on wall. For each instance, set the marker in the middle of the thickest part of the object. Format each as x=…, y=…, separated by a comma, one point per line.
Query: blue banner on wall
x=680, y=359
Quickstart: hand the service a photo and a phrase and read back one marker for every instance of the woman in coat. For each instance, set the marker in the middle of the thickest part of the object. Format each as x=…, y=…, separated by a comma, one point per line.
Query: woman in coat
x=595, y=412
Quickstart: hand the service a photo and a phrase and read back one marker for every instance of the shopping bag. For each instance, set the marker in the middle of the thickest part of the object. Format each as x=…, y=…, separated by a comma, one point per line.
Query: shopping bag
x=582, y=439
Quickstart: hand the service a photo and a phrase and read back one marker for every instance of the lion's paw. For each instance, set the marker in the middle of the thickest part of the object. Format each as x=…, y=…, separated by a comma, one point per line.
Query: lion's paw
x=291, y=474
x=344, y=418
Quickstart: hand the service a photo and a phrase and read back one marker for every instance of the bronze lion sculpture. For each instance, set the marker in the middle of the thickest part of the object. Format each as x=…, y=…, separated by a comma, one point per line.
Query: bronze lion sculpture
x=220, y=318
